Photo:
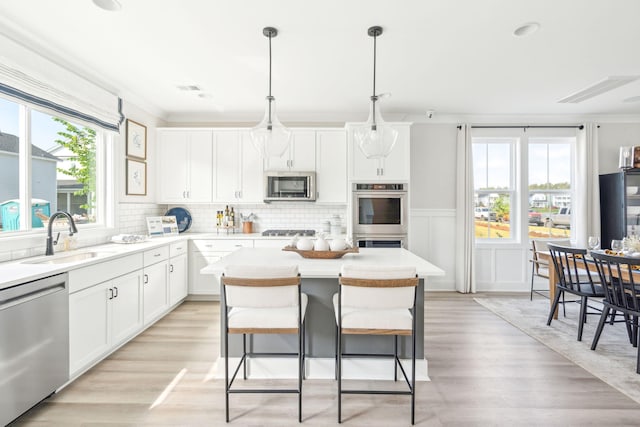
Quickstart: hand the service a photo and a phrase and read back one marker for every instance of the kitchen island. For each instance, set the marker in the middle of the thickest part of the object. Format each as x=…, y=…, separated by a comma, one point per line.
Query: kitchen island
x=320, y=282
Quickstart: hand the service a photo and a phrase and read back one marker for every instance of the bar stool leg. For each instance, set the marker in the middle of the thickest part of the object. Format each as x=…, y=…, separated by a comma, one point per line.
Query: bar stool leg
x=339, y=354
x=244, y=352
x=226, y=370
x=395, y=358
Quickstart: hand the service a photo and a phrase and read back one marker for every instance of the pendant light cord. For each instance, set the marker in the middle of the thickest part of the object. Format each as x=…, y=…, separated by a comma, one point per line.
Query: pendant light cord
x=373, y=96
x=270, y=98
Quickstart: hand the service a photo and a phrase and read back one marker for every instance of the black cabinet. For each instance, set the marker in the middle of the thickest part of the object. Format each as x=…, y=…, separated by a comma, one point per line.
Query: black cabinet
x=619, y=205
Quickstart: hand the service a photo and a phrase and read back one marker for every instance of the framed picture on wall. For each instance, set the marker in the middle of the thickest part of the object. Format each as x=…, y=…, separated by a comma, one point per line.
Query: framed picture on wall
x=136, y=178
x=136, y=140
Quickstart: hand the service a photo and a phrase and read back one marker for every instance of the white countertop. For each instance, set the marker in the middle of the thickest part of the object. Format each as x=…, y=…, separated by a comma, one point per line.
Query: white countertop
x=28, y=269
x=324, y=268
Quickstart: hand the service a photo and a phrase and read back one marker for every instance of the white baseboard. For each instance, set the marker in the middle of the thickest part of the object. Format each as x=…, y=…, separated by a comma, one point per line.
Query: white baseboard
x=323, y=368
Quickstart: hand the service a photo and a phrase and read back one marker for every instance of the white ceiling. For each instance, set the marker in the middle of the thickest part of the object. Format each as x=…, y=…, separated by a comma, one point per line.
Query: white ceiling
x=452, y=56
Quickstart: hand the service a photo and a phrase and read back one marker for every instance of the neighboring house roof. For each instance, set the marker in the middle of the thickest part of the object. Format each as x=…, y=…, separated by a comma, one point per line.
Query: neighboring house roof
x=10, y=144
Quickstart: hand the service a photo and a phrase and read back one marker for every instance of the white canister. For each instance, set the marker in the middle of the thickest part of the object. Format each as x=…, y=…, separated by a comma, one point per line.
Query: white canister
x=336, y=226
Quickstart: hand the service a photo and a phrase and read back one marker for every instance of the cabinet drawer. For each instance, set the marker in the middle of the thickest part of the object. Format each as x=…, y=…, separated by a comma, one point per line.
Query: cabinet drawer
x=153, y=256
x=85, y=277
x=226, y=245
x=178, y=248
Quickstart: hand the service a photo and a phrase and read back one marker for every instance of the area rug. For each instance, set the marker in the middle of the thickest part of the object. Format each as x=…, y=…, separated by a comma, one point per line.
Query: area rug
x=614, y=360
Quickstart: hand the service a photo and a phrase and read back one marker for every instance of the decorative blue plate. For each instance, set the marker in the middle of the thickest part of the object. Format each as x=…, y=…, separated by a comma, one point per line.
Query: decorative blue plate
x=183, y=218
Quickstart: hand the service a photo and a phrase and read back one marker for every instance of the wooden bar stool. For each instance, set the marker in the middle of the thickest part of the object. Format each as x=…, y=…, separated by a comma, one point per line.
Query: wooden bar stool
x=376, y=300
x=262, y=299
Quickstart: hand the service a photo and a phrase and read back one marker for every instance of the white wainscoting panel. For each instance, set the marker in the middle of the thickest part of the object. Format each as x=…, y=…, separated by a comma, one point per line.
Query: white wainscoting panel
x=432, y=237
x=502, y=268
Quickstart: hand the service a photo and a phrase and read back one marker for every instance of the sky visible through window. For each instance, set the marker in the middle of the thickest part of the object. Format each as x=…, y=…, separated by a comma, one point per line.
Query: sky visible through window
x=44, y=130
x=549, y=162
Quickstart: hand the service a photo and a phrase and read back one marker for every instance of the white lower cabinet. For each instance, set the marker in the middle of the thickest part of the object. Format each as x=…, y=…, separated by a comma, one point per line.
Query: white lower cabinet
x=178, y=284
x=112, y=301
x=156, y=289
x=203, y=253
x=103, y=316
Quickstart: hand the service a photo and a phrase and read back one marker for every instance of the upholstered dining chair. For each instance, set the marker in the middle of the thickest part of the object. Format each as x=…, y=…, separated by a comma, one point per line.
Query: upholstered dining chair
x=262, y=299
x=575, y=278
x=376, y=300
x=621, y=281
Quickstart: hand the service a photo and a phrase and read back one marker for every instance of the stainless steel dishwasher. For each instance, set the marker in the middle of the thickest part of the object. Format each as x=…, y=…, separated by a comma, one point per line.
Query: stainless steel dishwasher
x=34, y=343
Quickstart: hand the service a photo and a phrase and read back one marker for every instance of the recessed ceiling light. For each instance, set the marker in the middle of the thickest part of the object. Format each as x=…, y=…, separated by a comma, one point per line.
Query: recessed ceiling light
x=110, y=5
x=526, y=29
x=633, y=99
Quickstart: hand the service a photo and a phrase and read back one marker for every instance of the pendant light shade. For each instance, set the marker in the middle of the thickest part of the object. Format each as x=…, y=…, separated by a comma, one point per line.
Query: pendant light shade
x=375, y=138
x=270, y=137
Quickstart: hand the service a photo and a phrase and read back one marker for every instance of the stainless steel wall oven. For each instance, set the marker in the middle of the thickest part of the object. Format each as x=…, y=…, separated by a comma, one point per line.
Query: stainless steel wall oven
x=380, y=209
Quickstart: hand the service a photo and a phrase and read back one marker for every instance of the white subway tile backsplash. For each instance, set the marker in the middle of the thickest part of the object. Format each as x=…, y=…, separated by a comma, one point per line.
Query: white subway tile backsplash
x=272, y=216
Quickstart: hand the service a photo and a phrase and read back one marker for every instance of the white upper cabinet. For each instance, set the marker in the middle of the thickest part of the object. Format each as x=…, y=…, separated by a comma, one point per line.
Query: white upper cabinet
x=185, y=158
x=395, y=167
x=331, y=166
x=301, y=154
x=238, y=168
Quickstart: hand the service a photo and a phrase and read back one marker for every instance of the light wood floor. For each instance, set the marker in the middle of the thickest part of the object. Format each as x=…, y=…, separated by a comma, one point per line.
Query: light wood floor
x=484, y=372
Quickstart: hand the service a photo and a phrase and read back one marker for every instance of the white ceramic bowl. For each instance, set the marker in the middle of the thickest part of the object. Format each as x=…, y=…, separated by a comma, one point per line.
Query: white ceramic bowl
x=632, y=190
x=305, y=244
x=321, y=245
x=338, y=244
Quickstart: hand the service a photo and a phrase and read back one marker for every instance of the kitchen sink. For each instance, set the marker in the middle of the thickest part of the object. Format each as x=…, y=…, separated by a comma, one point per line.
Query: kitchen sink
x=67, y=258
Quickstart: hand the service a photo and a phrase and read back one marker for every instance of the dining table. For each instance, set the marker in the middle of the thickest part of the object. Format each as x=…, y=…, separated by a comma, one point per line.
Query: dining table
x=553, y=276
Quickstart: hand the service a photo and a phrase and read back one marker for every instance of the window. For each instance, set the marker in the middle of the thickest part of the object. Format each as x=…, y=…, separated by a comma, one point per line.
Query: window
x=523, y=183
x=550, y=187
x=60, y=173
x=495, y=192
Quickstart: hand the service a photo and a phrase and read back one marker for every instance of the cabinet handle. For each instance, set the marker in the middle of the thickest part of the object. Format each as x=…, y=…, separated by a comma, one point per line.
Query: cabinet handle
x=110, y=293
x=184, y=194
x=146, y=279
x=157, y=255
x=381, y=171
x=115, y=288
x=188, y=194
x=240, y=194
x=170, y=268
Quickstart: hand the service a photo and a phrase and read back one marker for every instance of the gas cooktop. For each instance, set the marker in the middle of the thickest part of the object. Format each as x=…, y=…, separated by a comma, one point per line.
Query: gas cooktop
x=289, y=232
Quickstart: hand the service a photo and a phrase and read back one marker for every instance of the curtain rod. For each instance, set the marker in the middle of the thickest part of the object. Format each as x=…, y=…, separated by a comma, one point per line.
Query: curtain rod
x=527, y=127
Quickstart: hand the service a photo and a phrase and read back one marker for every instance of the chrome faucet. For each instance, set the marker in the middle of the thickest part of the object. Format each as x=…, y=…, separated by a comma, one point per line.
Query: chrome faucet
x=50, y=241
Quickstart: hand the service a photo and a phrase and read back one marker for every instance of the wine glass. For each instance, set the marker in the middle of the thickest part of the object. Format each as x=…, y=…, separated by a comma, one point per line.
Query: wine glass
x=616, y=245
x=593, y=242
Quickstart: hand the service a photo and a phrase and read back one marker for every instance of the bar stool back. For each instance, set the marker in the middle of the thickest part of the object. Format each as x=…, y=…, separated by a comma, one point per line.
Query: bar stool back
x=376, y=300
x=262, y=299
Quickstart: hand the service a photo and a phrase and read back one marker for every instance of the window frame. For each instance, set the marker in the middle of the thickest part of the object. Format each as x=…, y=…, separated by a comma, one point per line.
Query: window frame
x=105, y=174
x=520, y=159
x=513, y=144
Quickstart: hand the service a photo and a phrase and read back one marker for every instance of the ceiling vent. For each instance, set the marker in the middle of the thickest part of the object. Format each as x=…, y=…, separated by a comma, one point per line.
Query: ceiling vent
x=189, y=88
x=605, y=85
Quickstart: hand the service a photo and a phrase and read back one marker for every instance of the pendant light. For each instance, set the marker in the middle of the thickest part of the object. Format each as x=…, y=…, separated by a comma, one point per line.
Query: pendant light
x=270, y=137
x=375, y=138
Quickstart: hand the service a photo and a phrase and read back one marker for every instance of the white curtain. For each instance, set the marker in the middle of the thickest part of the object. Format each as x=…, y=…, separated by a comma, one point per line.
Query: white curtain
x=30, y=77
x=465, y=225
x=586, y=209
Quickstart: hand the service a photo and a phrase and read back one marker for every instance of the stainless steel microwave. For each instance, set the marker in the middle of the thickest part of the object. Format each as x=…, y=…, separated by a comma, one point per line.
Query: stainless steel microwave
x=289, y=186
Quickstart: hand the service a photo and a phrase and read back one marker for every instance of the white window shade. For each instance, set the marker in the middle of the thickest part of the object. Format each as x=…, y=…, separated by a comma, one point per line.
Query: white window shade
x=36, y=80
